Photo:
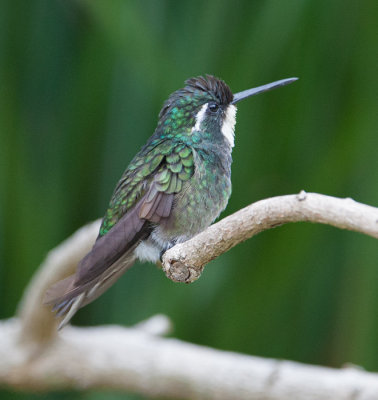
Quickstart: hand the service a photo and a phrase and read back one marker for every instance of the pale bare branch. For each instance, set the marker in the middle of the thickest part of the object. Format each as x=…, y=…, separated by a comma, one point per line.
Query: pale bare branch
x=133, y=361
x=185, y=262
x=34, y=357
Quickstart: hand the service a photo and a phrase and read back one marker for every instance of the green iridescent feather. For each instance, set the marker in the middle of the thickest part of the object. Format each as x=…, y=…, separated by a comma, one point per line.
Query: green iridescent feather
x=168, y=164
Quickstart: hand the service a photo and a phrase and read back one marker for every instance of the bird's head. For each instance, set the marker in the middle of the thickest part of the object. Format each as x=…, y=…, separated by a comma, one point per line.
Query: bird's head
x=206, y=107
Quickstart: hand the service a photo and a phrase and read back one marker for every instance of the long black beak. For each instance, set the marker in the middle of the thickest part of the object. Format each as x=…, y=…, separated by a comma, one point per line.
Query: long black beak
x=264, y=88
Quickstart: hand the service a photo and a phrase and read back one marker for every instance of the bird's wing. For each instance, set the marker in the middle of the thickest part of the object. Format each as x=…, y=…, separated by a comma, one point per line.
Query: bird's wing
x=165, y=159
x=143, y=197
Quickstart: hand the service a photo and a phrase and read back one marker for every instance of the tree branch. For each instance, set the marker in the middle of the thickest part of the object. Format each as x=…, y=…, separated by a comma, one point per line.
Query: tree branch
x=185, y=262
x=34, y=357
x=129, y=359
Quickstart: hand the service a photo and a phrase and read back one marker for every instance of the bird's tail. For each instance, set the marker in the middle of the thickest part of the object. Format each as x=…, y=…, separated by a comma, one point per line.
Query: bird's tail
x=66, y=297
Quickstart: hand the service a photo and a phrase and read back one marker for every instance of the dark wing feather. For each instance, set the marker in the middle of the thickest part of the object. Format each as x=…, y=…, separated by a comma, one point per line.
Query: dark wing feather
x=112, y=253
x=100, y=268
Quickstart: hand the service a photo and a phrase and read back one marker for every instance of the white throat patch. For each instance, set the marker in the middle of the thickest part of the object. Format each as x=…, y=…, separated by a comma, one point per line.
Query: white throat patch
x=199, y=118
x=229, y=125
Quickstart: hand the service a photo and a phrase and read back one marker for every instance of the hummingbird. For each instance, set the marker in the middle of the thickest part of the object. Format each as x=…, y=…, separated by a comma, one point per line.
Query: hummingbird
x=174, y=188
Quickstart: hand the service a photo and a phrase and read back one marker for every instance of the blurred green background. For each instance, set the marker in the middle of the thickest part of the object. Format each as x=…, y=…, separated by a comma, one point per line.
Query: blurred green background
x=81, y=85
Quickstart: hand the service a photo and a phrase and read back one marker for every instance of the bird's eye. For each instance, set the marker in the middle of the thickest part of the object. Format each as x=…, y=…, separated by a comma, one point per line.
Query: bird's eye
x=213, y=107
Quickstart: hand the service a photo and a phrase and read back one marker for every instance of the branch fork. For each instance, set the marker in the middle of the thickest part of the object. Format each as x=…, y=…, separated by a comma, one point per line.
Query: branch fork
x=33, y=356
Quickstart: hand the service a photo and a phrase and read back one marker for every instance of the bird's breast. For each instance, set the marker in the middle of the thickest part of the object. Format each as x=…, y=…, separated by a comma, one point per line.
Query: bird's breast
x=202, y=198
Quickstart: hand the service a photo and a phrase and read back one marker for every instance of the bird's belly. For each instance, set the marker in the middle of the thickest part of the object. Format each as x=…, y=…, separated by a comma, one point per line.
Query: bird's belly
x=199, y=203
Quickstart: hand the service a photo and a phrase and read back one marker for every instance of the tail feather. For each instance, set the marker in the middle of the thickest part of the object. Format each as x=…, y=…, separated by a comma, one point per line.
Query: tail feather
x=66, y=297
x=111, y=255
x=62, y=307
x=59, y=289
x=68, y=312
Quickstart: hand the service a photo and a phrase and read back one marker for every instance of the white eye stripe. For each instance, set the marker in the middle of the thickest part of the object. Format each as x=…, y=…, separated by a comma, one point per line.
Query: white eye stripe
x=200, y=117
x=229, y=125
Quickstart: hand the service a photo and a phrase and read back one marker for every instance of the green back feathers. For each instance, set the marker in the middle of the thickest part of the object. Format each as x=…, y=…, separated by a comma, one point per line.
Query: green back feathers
x=167, y=165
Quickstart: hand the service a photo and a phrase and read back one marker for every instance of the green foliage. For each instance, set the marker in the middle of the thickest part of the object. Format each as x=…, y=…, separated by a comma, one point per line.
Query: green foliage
x=82, y=83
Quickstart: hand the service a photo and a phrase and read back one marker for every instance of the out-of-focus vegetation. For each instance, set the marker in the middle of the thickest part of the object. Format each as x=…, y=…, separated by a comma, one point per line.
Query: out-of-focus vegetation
x=81, y=84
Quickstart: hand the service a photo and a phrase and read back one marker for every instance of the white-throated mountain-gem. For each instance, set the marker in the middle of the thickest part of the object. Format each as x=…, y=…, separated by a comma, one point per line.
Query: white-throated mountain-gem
x=174, y=188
